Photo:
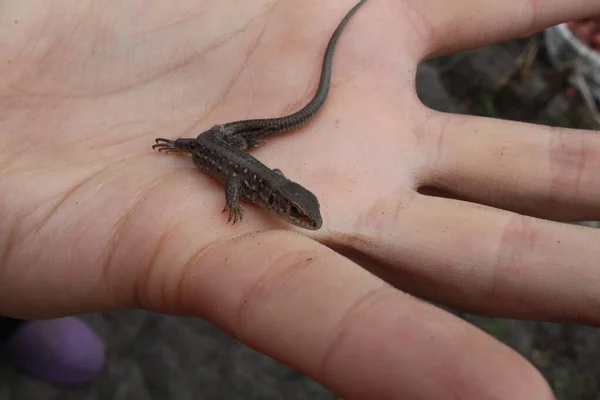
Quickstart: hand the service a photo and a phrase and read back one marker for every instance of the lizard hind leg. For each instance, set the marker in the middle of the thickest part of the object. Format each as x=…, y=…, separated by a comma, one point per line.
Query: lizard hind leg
x=180, y=145
x=243, y=143
x=244, y=140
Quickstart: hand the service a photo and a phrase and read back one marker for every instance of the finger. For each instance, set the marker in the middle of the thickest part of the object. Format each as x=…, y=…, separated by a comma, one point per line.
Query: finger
x=485, y=261
x=530, y=169
x=316, y=311
x=457, y=25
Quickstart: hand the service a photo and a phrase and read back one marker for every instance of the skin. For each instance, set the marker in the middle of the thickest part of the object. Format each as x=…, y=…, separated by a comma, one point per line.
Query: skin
x=93, y=219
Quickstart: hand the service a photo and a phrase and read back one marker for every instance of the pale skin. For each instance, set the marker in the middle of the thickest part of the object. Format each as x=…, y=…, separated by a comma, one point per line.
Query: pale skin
x=93, y=219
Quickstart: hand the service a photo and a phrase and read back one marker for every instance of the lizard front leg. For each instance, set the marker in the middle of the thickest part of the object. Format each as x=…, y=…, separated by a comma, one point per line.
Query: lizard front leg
x=232, y=196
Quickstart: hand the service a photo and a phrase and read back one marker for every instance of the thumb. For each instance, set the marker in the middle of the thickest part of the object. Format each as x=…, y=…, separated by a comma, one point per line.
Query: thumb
x=300, y=302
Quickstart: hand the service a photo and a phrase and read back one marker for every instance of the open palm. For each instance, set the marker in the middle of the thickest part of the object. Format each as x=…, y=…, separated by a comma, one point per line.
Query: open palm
x=93, y=219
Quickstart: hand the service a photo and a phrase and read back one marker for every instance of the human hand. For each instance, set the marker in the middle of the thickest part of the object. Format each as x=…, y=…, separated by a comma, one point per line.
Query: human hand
x=94, y=220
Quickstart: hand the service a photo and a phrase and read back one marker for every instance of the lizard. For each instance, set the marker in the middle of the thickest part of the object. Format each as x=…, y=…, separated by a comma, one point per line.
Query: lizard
x=219, y=152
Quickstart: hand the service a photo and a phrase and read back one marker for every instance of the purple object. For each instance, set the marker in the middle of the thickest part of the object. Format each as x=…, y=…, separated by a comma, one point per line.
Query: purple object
x=63, y=350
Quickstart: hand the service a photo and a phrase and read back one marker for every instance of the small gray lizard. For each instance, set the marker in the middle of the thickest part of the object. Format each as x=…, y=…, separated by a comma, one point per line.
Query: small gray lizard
x=219, y=153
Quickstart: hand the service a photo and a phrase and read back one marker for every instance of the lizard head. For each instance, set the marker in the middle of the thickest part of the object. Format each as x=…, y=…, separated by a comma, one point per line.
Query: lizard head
x=296, y=205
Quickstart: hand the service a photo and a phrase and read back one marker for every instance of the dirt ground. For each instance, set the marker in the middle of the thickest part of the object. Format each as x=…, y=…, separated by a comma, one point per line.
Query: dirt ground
x=161, y=357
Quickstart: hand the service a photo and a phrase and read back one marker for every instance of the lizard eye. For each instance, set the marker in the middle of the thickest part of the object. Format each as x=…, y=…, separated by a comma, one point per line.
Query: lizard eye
x=294, y=210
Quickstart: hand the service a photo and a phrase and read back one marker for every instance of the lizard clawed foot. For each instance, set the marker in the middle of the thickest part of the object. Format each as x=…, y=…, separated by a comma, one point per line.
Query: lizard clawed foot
x=236, y=213
x=166, y=145
x=180, y=145
x=254, y=141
